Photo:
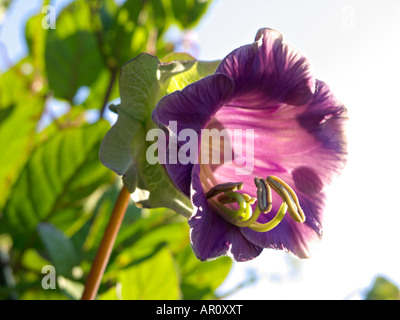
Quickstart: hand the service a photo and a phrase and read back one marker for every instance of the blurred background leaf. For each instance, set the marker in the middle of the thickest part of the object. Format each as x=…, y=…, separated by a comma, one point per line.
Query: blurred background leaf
x=55, y=195
x=62, y=253
x=65, y=72
x=201, y=280
x=58, y=176
x=19, y=144
x=188, y=12
x=383, y=289
x=155, y=278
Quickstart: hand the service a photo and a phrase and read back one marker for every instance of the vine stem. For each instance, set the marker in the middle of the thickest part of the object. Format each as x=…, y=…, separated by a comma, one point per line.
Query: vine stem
x=107, y=243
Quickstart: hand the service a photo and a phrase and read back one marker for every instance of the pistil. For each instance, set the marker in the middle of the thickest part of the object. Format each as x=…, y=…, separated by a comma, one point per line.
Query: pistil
x=226, y=194
x=264, y=227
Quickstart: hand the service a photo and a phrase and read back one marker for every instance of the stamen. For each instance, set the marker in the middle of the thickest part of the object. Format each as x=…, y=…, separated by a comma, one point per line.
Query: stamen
x=247, y=198
x=264, y=227
x=224, y=212
x=244, y=215
x=223, y=187
x=288, y=196
x=264, y=197
x=232, y=216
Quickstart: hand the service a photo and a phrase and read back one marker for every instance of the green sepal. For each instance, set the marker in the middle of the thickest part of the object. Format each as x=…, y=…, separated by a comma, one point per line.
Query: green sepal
x=143, y=81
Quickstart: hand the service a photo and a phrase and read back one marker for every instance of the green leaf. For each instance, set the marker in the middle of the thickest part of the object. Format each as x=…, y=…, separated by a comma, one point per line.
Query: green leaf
x=383, y=289
x=33, y=261
x=149, y=236
x=177, y=56
x=14, y=83
x=17, y=129
x=107, y=12
x=35, y=36
x=188, y=12
x=71, y=63
x=143, y=81
x=149, y=220
x=160, y=16
x=196, y=71
x=72, y=54
x=60, y=249
x=4, y=5
x=90, y=236
x=155, y=278
x=54, y=183
x=201, y=279
x=72, y=289
x=35, y=292
x=77, y=16
x=98, y=88
x=123, y=35
x=198, y=280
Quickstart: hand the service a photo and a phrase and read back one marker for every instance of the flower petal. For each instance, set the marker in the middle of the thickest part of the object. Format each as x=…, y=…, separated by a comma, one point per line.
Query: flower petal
x=194, y=106
x=309, y=136
x=211, y=236
x=298, y=129
x=325, y=118
x=268, y=72
x=290, y=236
x=191, y=108
x=302, y=145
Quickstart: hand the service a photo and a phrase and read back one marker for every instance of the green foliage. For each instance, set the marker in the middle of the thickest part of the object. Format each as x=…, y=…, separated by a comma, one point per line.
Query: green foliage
x=56, y=196
x=188, y=12
x=21, y=106
x=383, y=289
x=167, y=237
x=61, y=250
x=151, y=280
x=57, y=177
x=200, y=280
x=65, y=72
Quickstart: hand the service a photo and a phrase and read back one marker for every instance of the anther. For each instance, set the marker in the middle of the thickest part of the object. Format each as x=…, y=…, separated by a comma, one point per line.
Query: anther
x=243, y=215
x=223, y=187
x=264, y=198
x=288, y=196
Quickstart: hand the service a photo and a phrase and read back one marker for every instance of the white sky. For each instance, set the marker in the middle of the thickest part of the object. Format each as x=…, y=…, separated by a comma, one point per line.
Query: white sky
x=354, y=46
